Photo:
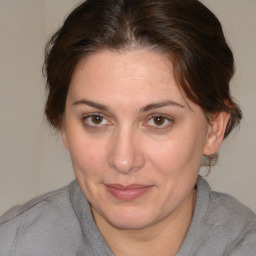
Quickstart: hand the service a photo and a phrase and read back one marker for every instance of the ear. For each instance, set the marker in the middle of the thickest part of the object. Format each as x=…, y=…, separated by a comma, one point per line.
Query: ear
x=64, y=137
x=217, y=128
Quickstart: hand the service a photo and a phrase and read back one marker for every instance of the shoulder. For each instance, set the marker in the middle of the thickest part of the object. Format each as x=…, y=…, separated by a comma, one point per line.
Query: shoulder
x=236, y=221
x=226, y=210
x=230, y=224
x=228, y=206
x=32, y=206
x=41, y=221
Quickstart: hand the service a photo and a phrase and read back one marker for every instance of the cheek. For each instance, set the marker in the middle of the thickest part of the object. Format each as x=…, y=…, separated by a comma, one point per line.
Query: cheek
x=169, y=157
x=87, y=154
x=178, y=153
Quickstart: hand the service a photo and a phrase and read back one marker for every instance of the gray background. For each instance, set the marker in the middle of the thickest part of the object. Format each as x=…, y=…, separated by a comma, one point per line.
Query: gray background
x=32, y=158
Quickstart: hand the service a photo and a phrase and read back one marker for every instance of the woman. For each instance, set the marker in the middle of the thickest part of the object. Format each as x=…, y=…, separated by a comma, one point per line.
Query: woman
x=140, y=92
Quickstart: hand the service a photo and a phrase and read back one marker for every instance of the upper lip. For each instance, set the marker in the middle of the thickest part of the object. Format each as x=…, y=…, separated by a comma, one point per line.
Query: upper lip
x=127, y=187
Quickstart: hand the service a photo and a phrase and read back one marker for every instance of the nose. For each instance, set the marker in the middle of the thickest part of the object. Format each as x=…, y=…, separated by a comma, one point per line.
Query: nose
x=126, y=154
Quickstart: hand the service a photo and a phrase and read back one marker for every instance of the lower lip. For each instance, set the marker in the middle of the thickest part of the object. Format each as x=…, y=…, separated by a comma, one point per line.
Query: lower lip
x=128, y=194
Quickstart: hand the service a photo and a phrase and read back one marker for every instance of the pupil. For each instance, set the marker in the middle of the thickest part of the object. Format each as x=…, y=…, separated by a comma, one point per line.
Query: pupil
x=159, y=120
x=97, y=119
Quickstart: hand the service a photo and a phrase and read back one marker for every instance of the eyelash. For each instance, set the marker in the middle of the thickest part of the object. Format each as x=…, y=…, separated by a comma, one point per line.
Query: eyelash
x=91, y=125
x=167, y=121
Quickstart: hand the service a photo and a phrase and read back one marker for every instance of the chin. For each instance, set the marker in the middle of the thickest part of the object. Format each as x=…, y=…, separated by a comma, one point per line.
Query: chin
x=130, y=219
x=129, y=224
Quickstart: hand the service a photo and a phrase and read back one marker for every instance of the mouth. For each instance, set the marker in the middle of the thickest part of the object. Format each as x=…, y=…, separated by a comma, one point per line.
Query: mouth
x=127, y=193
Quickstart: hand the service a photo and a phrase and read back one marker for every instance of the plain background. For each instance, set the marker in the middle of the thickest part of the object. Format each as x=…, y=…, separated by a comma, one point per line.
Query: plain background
x=32, y=158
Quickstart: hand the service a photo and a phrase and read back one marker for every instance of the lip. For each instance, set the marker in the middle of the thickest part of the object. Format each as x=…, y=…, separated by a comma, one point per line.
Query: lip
x=129, y=192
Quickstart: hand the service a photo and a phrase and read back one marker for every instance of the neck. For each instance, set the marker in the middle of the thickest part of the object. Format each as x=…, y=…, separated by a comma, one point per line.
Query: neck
x=163, y=238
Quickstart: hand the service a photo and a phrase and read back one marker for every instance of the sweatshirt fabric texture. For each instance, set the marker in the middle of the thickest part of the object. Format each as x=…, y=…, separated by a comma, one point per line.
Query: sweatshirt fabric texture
x=60, y=223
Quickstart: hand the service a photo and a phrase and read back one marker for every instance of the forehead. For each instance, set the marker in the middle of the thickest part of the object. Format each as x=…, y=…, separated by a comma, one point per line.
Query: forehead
x=143, y=71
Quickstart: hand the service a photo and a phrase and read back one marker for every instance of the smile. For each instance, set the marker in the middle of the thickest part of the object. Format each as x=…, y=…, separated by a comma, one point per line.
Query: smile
x=127, y=193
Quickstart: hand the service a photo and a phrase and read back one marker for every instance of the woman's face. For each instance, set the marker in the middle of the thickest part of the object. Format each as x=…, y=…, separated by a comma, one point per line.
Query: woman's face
x=136, y=142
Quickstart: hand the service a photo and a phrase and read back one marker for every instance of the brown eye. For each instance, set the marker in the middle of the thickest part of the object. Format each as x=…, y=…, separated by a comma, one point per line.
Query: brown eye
x=97, y=119
x=159, y=120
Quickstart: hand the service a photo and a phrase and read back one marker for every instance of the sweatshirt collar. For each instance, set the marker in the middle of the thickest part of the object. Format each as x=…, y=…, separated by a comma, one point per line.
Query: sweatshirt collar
x=94, y=243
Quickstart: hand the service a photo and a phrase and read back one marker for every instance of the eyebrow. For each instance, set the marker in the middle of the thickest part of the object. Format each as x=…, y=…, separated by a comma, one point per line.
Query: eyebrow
x=91, y=104
x=143, y=109
x=160, y=105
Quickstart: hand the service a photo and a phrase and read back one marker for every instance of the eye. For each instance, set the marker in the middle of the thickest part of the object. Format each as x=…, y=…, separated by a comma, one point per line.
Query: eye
x=95, y=120
x=159, y=121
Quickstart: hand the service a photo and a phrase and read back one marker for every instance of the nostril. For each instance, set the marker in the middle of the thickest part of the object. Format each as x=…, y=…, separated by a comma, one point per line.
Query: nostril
x=120, y=164
x=126, y=165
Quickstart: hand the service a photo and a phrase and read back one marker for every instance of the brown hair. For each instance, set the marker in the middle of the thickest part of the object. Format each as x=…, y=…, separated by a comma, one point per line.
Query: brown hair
x=185, y=30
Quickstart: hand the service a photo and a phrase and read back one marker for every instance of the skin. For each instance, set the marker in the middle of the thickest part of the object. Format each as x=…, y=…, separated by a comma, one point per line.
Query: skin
x=127, y=122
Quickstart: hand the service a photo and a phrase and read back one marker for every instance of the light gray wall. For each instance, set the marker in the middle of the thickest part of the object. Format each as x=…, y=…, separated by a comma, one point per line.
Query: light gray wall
x=32, y=159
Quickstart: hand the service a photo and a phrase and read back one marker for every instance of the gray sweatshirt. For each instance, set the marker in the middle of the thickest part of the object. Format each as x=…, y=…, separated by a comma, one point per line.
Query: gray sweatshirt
x=60, y=223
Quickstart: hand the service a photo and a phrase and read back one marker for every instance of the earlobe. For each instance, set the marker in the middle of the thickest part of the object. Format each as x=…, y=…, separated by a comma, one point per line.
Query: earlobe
x=64, y=138
x=217, y=128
